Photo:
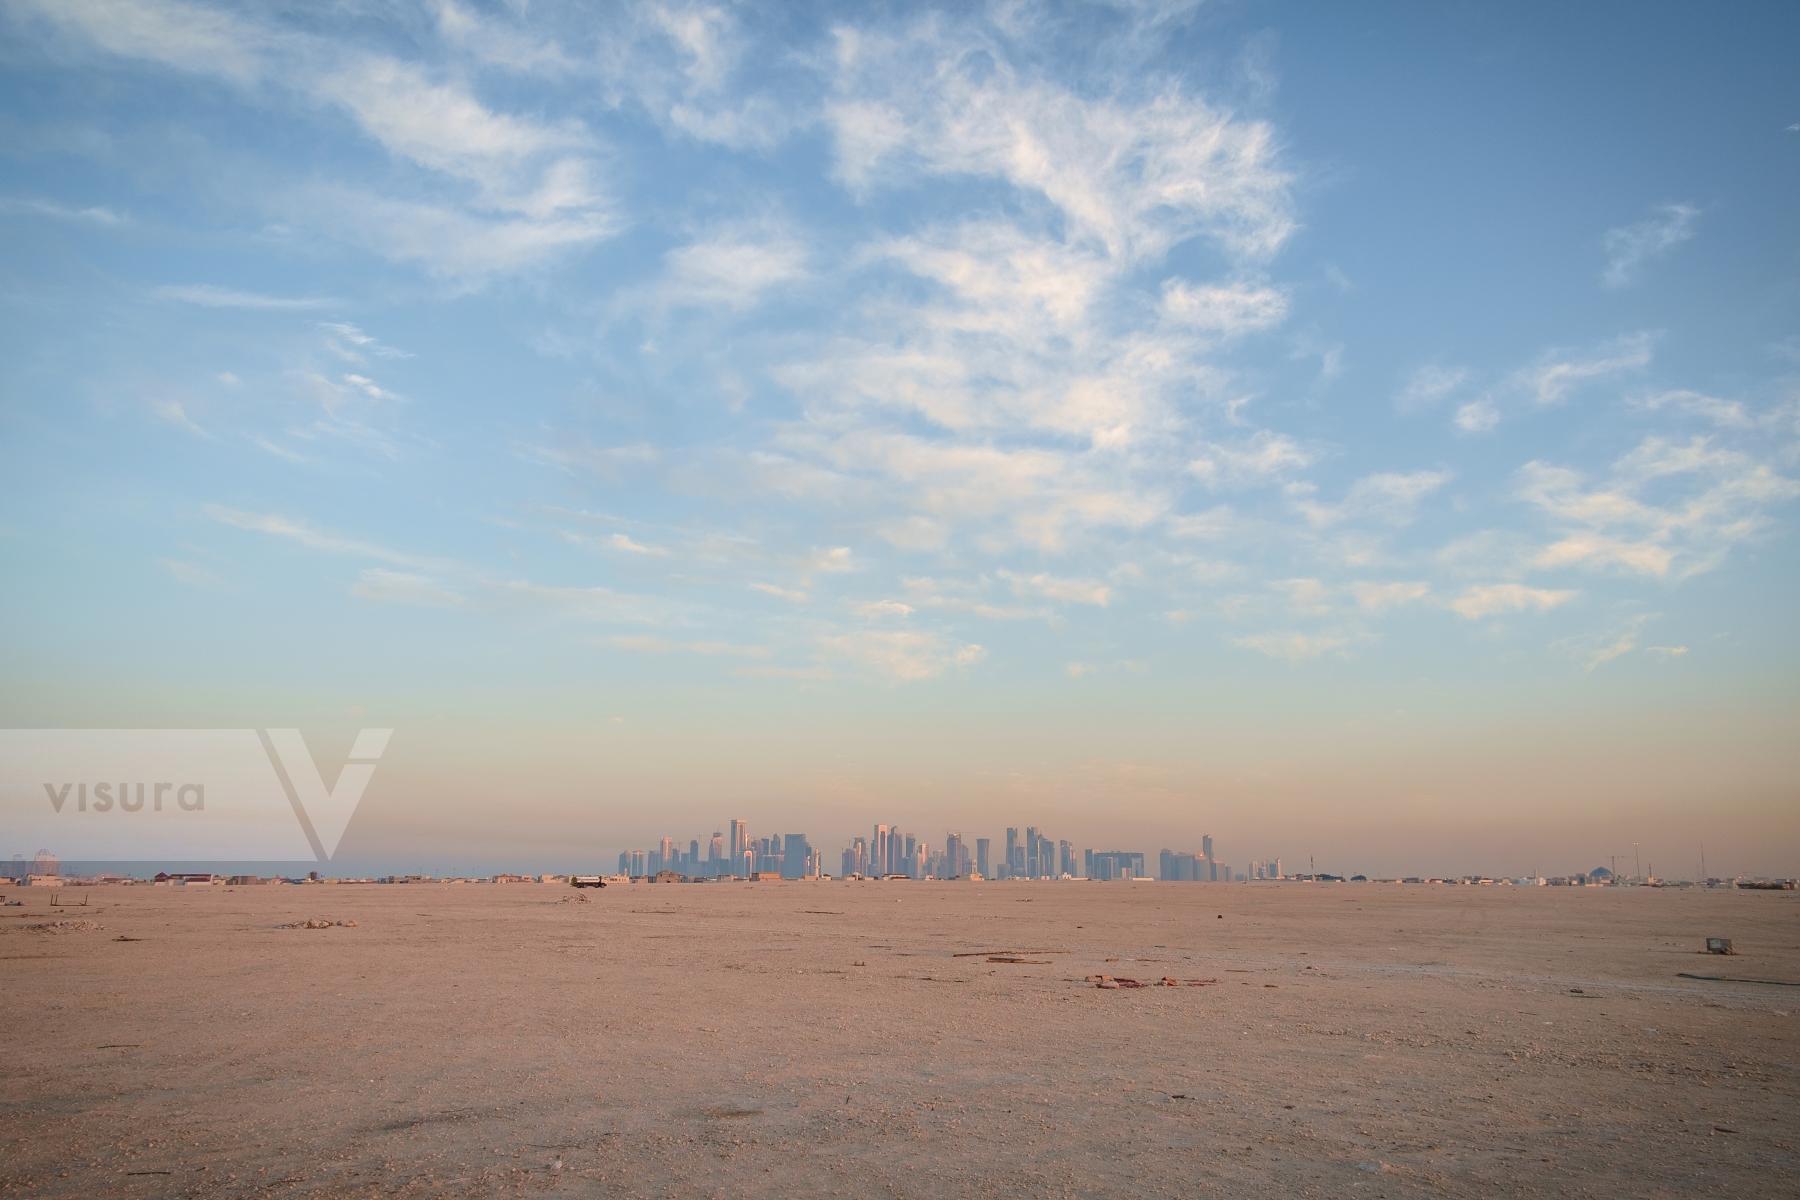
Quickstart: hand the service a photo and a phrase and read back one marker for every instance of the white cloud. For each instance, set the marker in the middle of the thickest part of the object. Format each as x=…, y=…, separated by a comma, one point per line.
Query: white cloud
x=175, y=413
x=1307, y=596
x=1392, y=497
x=1498, y=599
x=1292, y=647
x=1596, y=651
x=1050, y=587
x=733, y=268
x=1477, y=416
x=531, y=189
x=191, y=574
x=1668, y=507
x=1133, y=174
x=653, y=644
x=499, y=42
x=1550, y=380
x=450, y=242
x=92, y=214
x=1210, y=525
x=779, y=592
x=207, y=295
x=1376, y=597
x=405, y=587
x=832, y=560
x=1264, y=457
x=875, y=609
x=964, y=597
x=1591, y=549
x=351, y=344
x=188, y=37
x=605, y=462
x=902, y=654
x=624, y=542
x=1630, y=247
x=1229, y=310
x=275, y=525
x=1429, y=386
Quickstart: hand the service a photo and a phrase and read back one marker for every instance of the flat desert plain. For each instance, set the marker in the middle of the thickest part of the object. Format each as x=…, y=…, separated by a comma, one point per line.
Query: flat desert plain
x=851, y=1038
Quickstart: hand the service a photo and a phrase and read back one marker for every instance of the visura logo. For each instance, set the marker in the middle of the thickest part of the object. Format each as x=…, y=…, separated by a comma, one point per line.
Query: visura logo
x=242, y=795
x=127, y=797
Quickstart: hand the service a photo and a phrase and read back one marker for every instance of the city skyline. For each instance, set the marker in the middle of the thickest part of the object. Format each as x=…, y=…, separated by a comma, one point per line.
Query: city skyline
x=1132, y=415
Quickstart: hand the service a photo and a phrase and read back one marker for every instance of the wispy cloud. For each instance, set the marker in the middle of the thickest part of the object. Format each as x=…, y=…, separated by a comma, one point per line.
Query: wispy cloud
x=410, y=588
x=905, y=655
x=208, y=295
x=1051, y=587
x=652, y=644
x=1428, y=386
x=1630, y=248
x=530, y=187
x=1499, y=599
x=1293, y=647
x=89, y=214
x=1392, y=497
x=303, y=534
x=793, y=595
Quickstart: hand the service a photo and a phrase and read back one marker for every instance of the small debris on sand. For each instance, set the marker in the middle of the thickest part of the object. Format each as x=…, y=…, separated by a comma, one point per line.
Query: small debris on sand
x=64, y=927
x=1013, y=958
x=1110, y=982
x=319, y=923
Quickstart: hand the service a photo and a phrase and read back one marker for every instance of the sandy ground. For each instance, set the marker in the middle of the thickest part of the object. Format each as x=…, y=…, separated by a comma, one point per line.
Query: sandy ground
x=824, y=1039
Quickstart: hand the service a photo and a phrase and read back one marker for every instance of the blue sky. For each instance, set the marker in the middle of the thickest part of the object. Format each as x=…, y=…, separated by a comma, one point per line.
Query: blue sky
x=1372, y=431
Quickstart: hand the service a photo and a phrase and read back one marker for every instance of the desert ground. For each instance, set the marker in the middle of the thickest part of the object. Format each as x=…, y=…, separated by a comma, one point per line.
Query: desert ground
x=851, y=1038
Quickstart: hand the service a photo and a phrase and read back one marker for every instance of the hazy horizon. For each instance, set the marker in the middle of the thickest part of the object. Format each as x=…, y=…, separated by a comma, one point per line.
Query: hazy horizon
x=1372, y=439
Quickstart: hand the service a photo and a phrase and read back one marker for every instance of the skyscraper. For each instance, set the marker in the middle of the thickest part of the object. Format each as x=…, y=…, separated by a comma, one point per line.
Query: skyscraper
x=953, y=850
x=982, y=846
x=879, y=852
x=795, y=852
x=740, y=841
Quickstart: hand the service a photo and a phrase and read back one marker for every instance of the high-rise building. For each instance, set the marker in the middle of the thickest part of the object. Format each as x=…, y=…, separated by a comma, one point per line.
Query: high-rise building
x=795, y=854
x=1065, y=857
x=878, y=851
x=953, y=850
x=1116, y=864
x=740, y=840
x=1015, y=853
x=982, y=847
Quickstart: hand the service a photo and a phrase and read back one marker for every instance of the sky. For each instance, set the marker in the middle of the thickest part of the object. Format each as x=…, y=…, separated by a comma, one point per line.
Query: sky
x=1359, y=432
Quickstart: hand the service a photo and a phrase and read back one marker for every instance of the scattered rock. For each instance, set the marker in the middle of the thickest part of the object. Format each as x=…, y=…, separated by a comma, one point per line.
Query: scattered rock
x=319, y=923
